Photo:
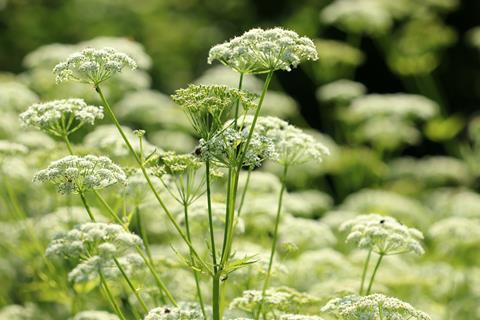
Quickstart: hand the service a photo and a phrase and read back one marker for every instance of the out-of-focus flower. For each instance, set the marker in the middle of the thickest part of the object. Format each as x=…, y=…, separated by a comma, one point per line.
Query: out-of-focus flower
x=358, y=16
x=451, y=235
x=220, y=75
x=308, y=204
x=15, y=96
x=8, y=148
x=341, y=91
x=261, y=51
x=95, y=315
x=453, y=202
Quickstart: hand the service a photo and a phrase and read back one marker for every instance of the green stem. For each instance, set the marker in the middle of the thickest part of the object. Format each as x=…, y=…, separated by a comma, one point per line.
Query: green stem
x=216, y=297
x=195, y=273
x=147, y=178
x=240, y=83
x=143, y=232
x=210, y=217
x=234, y=174
x=87, y=207
x=266, y=282
x=364, y=273
x=130, y=285
x=374, y=273
x=110, y=297
x=110, y=211
x=244, y=193
x=67, y=142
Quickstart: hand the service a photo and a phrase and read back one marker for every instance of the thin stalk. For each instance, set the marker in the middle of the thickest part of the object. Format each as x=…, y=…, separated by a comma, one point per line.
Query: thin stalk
x=110, y=211
x=130, y=285
x=67, y=142
x=374, y=273
x=145, y=258
x=147, y=178
x=210, y=217
x=364, y=273
x=110, y=297
x=237, y=105
x=195, y=273
x=235, y=173
x=266, y=282
x=87, y=207
x=143, y=232
x=244, y=193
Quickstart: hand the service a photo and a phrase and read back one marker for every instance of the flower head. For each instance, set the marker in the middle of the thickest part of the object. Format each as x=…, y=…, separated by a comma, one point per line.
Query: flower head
x=223, y=148
x=374, y=307
x=93, y=65
x=208, y=106
x=185, y=311
x=60, y=117
x=8, y=148
x=93, y=245
x=78, y=174
x=95, y=315
x=292, y=145
x=384, y=235
x=261, y=51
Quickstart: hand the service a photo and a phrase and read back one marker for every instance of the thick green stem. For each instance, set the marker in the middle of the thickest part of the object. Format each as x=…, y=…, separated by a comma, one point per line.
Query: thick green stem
x=130, y=285
x=364, y=272
x=244, y=193
x=147, y=177
x=195, y=273
x=110, y=297
x=374, y=273
x=266, y=282
x=216, y=297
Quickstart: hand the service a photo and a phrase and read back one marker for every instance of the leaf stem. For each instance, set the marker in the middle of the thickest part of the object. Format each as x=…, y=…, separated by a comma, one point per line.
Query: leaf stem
x=110, y=297
x=266, y=282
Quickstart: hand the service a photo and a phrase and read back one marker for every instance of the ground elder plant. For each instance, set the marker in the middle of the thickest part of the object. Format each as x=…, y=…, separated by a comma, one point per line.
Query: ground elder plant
x=133, y=231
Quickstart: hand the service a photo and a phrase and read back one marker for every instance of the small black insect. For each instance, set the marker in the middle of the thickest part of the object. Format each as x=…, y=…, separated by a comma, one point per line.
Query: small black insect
x=167, y=310
x=382, y=221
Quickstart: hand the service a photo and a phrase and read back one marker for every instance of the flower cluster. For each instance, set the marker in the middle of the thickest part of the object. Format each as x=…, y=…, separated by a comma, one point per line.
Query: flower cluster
x=282, y=299
x=78, y=174
x=382, y=234
x=95, y=315
x=456, y=233
x=8, y=148
x=292, y=316
x=374, y=307
x=358, y=16
x=173, y=163
x=292, y=145
x=223, y=149
x=398, y=105
x=58, y=116
x=208, y=106
x=15, y=96
x=95, y=244
x=261, y=51
x=185, y=311
x=93, y=65
x=341, y=91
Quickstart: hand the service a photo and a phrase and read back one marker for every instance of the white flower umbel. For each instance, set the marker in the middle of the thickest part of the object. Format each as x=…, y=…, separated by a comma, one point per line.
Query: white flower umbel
x=373, y=307
x=15, y=96
x=281, y=299
x=292, y=145
x=75, y=174
x=341, y=91
x=95, y=315
x=8, y=148
x=382, y=234
x=93, y=65
x=223, y=148
x=262, y=51
x=61, y=117
x=208, y=106
x=293, y=316
x=184, y=311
